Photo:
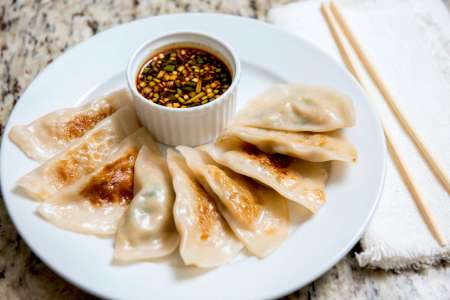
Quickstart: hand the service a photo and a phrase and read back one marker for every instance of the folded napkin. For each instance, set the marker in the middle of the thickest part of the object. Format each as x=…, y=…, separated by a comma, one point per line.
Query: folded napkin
x=409, y=42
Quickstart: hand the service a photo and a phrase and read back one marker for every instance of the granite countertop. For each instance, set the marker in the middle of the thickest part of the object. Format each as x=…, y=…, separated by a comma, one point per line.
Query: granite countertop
x=34, y=33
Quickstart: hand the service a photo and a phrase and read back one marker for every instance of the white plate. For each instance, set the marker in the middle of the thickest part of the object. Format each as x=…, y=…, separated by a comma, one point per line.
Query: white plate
x=268, y=56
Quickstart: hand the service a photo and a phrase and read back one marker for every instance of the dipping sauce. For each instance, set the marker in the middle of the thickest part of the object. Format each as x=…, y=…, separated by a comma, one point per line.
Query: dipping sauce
x=183, y=77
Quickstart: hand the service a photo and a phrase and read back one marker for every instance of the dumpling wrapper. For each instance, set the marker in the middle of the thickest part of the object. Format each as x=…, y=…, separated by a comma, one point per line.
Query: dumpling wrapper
x=206, y=239
x=95, y=204
x=146, y=230
x=297, y=180
x=298, y=107
x=54, y=132
x=80, y=159
x=316, y=147
x=258, y=215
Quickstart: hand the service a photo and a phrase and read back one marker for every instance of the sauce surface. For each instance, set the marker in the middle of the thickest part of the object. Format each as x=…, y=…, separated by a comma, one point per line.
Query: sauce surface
x=183, y=77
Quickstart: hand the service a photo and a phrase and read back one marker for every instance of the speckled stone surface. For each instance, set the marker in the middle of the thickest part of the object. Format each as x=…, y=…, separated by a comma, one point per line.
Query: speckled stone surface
x=33, y=33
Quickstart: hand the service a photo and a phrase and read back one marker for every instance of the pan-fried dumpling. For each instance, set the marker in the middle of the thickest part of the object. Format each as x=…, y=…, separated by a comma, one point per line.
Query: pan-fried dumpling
x=95, y=204
x=80, y=159
x=309, y=146
x=297, y=180
x=297, y=107
x=206, y=239
x=146, y=230
x=258, y=215
x=54, y=132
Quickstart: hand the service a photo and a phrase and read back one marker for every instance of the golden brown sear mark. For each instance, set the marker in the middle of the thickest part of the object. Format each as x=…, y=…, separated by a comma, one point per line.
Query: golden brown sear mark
x=114, y=182
x=68, y=170
x=318, y=195
x=81, y=123
x=206, y=211
x=275, y=162
x=313, y=139
x=239, y=199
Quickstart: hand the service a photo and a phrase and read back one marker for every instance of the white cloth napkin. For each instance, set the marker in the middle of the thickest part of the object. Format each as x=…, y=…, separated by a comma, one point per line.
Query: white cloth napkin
x=409, y=42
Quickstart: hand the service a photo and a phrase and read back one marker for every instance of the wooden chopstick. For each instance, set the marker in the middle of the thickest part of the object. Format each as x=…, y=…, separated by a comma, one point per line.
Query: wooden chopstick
x=406, y=174
x=417, y=196
x=388, y=96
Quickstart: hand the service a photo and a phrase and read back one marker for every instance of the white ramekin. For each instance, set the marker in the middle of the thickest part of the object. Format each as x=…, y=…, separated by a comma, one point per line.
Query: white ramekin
x=185, y=126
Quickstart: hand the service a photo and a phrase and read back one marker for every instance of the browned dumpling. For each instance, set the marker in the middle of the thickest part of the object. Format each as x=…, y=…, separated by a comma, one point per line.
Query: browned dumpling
x=80, y=159
x=206, y=239
x=309, y=146
x=257, y=214
x=95, y=204
x=297, y=180
x=54, y=132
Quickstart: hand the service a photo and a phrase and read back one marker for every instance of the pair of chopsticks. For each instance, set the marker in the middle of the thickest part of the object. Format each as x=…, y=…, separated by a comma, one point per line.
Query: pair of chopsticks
x=340, y=30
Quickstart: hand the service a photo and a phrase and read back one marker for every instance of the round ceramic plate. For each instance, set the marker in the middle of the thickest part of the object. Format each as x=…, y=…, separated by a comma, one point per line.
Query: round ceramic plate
x=268, y=56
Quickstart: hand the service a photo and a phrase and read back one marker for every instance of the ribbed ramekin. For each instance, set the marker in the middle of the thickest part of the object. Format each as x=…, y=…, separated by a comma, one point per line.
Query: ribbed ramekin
x=185, y=126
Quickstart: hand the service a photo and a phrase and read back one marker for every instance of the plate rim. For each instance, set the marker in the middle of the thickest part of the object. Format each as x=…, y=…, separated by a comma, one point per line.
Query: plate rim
x=293, y=287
